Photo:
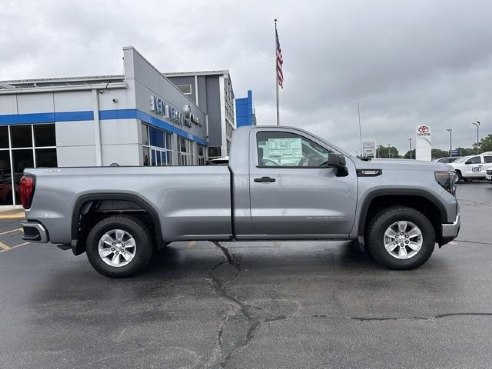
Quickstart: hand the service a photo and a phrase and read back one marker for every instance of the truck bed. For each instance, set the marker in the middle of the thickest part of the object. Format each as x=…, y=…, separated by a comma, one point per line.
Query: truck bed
x=191, y=201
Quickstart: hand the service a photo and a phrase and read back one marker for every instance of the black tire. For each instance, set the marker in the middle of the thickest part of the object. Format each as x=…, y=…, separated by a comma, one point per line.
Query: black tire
x=142, y=251
x=387, y=218
x=460, y=177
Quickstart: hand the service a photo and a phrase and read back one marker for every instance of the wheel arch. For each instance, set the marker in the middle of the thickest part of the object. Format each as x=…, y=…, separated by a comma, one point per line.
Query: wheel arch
x=420, y=200
x=85, y=203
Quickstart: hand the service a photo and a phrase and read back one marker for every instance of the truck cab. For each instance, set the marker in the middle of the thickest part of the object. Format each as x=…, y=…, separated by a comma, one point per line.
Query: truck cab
x=291, y=186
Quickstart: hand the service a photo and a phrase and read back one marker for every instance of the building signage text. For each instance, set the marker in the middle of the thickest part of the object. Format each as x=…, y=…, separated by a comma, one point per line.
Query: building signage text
x=160, y=107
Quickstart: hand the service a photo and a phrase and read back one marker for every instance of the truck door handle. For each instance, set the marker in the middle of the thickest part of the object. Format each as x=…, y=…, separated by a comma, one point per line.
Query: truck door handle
x=265, y=179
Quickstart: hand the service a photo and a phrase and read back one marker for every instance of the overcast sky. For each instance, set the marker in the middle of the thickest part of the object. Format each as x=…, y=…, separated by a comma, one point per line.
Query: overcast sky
x=405, y=62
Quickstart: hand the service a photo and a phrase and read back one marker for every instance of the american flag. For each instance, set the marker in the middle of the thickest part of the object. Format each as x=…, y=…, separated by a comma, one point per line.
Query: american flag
x=280, y=61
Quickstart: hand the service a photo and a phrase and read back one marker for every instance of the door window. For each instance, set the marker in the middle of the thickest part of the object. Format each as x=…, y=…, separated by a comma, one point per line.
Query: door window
x=474, y=160
x=285, y=149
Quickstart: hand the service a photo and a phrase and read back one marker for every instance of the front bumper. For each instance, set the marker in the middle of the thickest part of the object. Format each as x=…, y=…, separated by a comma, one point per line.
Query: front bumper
x=34, y=231
x=450, y=230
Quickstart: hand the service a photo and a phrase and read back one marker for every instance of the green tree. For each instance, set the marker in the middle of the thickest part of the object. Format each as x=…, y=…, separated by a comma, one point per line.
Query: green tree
x=387, y=152
x=438, y=153
x=410, y=154
x=485, y=144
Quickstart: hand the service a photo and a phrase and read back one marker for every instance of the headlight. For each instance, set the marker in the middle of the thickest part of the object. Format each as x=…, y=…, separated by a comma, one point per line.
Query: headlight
x=447, y=180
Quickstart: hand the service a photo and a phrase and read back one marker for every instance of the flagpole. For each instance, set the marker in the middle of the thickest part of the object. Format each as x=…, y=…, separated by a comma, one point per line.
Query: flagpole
x=276, y=76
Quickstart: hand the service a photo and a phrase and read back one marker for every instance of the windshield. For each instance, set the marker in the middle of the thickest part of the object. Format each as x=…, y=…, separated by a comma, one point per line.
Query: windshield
x=462, y=160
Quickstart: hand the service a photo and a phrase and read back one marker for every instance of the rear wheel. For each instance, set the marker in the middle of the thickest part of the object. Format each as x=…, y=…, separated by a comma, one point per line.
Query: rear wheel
x=401, y=238
x=119, y=246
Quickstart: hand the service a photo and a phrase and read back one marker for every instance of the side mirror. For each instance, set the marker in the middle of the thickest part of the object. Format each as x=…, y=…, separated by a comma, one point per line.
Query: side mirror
x=335, y=160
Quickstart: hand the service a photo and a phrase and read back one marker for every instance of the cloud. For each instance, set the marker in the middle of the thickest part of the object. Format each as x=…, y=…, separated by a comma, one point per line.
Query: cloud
x=405, y=62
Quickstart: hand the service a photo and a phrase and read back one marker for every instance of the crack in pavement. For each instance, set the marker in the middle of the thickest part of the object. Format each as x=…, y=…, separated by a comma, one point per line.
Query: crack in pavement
x=378, y=319
x=220, y=288
x=232, y=259
x=276, y=319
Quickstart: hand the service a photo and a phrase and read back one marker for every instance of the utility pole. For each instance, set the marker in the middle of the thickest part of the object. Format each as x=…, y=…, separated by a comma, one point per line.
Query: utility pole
x=410, y=142
x=360, y=132
x=477, y=124
x=450, y=142
x=389, y=150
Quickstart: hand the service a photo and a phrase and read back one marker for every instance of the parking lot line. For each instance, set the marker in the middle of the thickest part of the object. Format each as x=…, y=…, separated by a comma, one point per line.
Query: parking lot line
x=12, y=230
x=2, y=245
x=19, y=245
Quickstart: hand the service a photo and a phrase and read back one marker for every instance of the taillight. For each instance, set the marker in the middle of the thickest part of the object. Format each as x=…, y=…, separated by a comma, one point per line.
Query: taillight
x=27, y=184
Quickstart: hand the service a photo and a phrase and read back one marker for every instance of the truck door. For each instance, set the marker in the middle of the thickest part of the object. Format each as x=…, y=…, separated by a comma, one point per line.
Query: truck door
x=292, y=193
x=474, y=167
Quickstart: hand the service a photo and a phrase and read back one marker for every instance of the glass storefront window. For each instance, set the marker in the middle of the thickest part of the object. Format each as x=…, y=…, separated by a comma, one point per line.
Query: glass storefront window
x=145, y=134
x=21, y=136
x=201, y=155
x=154, y=158
x=213, y=152
x=166, y=158
x=169, y=141
x=44, y=135
x=146, y=156
x=185, y=154
x=158, y=146
x=4, y=137
x=5, y=178
x=21, y=159
x=25, y=153
x=46, y=158
x=156, y=137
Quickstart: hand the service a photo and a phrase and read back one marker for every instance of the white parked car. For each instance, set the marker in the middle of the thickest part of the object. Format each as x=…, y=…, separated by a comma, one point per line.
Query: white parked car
x=473, y=166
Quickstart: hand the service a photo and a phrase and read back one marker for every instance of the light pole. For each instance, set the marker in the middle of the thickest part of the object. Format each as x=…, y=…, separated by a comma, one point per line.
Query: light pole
x=450, y=144
x=389, y=150
x=410, y=142
x=477, y=124
x=360, y=132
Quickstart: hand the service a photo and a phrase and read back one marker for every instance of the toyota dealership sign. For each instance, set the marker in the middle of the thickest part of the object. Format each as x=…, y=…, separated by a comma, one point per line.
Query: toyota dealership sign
x=423, y=143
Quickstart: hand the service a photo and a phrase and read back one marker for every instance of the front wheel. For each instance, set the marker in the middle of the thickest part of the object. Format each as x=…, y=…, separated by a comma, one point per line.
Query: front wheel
x=401, y=238
x=119, y=246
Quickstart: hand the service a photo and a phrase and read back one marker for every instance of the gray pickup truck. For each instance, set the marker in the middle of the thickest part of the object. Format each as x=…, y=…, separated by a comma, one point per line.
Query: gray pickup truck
x=280, y=184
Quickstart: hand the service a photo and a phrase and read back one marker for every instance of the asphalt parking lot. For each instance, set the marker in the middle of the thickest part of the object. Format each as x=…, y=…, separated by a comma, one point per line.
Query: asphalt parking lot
x=252, y=305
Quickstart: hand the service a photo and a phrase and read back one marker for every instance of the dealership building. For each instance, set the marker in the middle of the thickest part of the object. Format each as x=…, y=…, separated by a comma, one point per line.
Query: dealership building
x=141, y=118
x=213, y=92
